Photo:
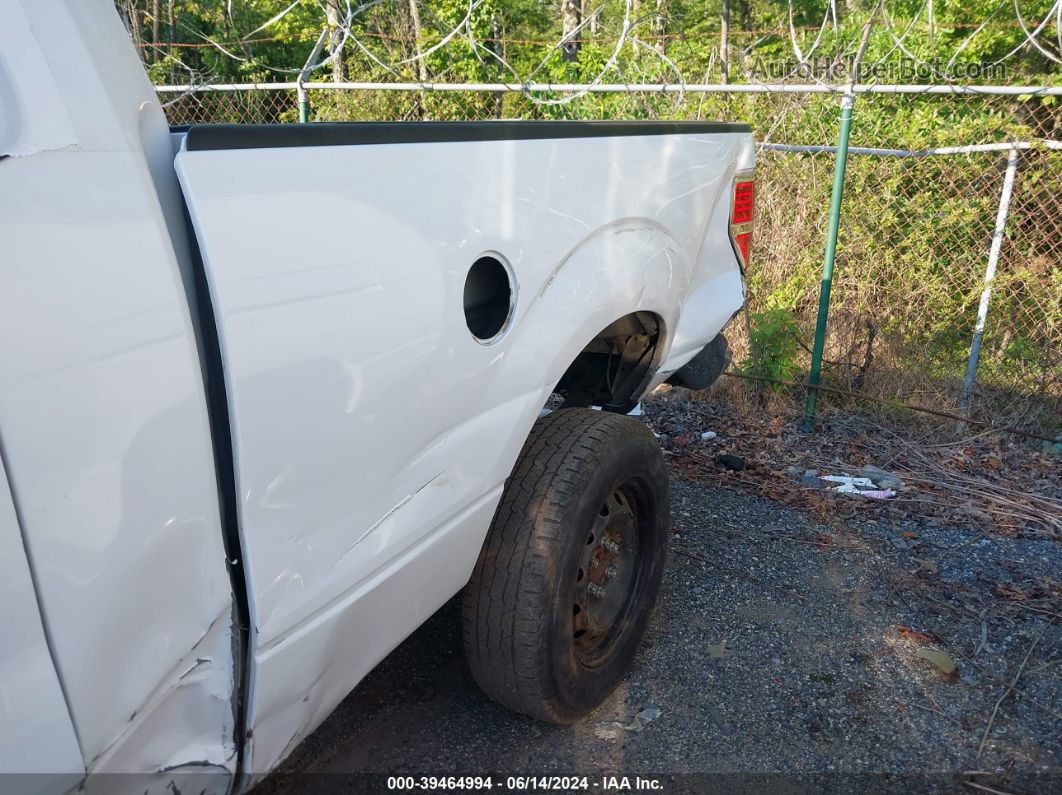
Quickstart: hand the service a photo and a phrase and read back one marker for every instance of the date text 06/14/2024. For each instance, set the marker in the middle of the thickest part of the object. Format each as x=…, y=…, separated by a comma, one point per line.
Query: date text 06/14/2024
x=524, y=783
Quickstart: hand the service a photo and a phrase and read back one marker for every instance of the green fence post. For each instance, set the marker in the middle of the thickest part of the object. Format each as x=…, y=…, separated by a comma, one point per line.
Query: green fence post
x=815, y=376
x=308, y=67
x=304, y=103
x=847, y=103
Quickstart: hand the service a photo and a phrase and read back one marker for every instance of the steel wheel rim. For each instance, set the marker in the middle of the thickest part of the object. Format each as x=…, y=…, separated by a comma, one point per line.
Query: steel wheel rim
x=608, y=574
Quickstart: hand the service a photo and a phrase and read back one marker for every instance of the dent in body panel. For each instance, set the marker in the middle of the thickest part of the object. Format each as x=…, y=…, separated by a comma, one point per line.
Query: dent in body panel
x=349, y=403
x=388, y=515
x=645, y=228
x=106, y=437
x=303, y=677
x=187, y=721
x=471, y=461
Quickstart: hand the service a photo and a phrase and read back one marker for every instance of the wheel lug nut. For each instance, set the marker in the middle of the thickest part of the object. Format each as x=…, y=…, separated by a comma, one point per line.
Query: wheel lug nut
x=596, y=590
x=610, y=545
x=611, y=572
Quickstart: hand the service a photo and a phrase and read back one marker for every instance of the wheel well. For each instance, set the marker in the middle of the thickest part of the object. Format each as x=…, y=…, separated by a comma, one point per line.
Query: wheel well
x=614, y=368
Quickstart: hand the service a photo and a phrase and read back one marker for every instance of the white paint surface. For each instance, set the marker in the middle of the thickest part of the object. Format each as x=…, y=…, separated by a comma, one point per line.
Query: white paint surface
x=103, y=422
x=368, y=422
x=36, y=734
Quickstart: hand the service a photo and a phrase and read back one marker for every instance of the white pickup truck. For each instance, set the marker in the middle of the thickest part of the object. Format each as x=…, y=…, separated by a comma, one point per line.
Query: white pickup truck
x=271, y=395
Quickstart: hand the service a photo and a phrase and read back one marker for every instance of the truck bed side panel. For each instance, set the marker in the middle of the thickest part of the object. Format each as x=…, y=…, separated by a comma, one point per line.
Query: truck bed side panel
x=370, y=428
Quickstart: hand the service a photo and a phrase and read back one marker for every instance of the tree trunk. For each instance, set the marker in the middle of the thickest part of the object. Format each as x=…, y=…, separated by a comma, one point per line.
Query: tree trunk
x=660, y=25
x=571, y=16
x=634, y=18
x=130, y=14
x=724, y=42
x=414, y=16
x=585, y=12
x=334, y=15
x=497, y=46
x=155, y=13
x=170, y=34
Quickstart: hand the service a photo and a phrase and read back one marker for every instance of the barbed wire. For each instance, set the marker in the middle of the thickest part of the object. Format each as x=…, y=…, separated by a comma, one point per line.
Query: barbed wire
x=805, y=42
x=310, y=35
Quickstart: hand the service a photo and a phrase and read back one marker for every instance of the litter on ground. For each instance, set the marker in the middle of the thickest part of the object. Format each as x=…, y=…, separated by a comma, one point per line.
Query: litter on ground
x=864, y=487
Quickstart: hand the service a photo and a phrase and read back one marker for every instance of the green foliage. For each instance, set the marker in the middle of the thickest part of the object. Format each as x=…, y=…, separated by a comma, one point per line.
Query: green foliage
x=773, y=346
x=915, y=232
x=225, y=41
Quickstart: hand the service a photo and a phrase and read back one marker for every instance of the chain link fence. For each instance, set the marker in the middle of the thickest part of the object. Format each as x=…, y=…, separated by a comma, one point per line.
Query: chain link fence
x=923, y=202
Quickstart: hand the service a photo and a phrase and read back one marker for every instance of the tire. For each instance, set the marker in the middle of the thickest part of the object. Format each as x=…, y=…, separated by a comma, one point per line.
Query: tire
x=564, y=585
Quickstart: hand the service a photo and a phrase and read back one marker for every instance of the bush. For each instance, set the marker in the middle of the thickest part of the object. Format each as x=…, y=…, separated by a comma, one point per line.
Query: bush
x=773, y=346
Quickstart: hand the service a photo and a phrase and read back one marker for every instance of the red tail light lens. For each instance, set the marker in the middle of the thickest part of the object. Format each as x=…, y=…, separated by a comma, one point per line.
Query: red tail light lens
x=741, y=215
x=744, y=202
x=744, y=241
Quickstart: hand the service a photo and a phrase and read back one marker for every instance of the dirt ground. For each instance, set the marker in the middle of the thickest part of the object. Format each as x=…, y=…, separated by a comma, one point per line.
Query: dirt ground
x=786, y=653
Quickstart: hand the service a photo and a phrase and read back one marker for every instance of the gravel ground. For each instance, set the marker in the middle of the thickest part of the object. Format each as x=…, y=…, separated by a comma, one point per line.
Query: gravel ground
x=783, y=655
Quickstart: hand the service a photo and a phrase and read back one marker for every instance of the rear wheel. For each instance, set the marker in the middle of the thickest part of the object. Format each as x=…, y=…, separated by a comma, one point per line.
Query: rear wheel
x=567, y=577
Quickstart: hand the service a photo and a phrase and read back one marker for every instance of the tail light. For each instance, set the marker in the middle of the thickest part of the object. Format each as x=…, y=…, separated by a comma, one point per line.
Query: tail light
x=741, y=215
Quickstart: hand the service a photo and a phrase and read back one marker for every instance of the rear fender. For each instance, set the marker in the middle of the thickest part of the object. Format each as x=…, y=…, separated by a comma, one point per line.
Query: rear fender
x=631, y=265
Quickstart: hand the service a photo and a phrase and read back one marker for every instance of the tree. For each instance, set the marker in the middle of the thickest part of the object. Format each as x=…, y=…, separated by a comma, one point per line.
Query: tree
x=594, y=15
x=171, y=34
x=414, y=16
x=660, y=25
x=333, y=17
x=724, y=42
x=571, y=16
x=156, y=12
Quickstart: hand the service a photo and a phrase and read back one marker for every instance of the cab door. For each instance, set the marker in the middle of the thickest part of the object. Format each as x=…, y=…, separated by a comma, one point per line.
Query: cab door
x=36, y=733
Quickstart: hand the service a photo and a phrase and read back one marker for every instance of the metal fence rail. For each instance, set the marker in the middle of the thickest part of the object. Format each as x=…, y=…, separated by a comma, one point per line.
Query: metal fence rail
x=949, y=252
x=628, y=88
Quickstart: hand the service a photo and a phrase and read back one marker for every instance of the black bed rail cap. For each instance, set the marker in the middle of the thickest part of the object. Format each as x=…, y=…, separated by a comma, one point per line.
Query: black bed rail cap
x=203, y=137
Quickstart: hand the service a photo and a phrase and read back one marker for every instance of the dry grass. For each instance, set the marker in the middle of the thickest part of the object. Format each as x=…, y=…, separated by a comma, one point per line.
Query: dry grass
x=909, y=274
